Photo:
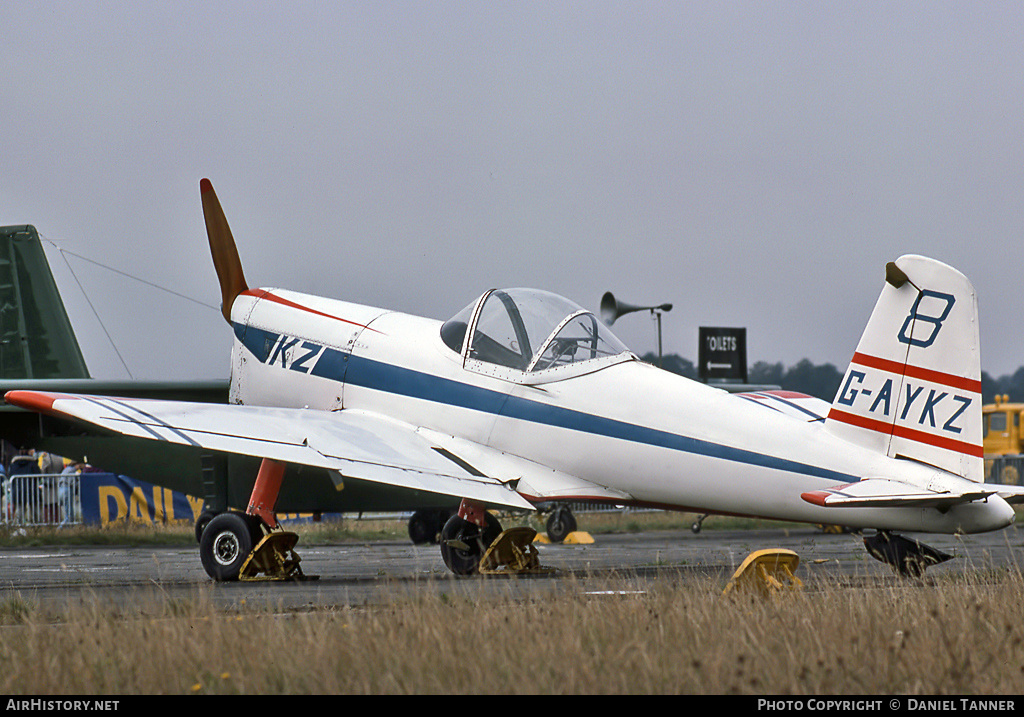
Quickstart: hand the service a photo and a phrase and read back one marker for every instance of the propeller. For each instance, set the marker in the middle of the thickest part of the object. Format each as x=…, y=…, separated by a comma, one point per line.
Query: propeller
x=222, y=246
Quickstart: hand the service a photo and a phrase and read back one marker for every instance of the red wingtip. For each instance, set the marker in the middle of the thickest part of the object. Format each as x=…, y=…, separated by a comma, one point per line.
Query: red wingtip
x=816, y=497
x=32, y=400
x=205, y=185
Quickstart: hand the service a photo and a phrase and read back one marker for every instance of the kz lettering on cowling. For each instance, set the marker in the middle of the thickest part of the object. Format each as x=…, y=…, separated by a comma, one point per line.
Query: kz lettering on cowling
x=295, y=354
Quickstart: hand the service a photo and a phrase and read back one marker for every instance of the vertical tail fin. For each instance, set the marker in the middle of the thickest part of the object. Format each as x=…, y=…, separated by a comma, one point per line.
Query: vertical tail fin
x=913, y=388
x=36, y=337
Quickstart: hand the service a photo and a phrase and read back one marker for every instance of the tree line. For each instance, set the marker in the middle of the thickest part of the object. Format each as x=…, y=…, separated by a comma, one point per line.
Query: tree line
x=822, y=380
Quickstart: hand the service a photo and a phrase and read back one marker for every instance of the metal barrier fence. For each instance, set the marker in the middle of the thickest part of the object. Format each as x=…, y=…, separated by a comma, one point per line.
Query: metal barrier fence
x=49, y=499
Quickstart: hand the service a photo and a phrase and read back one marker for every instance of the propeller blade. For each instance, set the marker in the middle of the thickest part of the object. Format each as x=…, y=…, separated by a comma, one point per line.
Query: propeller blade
x=222, y=246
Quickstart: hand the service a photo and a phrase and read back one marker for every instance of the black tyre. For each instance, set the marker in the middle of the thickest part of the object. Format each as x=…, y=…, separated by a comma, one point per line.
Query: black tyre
x=425, y=526
x=560, y=523
x=457, y=533
x=202, y=521
x=225, y=545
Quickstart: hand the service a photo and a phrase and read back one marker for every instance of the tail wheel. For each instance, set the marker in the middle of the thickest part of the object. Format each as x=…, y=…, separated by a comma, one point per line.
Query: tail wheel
x=226, y=543
x=463, y=543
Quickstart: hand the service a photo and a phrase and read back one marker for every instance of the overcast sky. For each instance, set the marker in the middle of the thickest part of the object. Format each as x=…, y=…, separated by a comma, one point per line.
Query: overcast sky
x=754, y=164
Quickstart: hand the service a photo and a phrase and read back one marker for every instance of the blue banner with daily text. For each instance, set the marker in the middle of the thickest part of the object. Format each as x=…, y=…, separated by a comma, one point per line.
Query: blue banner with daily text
x=109, y=498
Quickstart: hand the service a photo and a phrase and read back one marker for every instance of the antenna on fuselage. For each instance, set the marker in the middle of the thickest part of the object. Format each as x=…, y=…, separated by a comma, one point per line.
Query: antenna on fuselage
x=222, y=247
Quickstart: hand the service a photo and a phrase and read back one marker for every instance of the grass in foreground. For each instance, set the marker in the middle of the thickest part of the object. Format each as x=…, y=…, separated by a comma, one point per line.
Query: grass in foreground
x=954, y=636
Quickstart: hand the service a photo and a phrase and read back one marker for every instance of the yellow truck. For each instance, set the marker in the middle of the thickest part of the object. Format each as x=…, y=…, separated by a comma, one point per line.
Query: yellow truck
x=1001, y=424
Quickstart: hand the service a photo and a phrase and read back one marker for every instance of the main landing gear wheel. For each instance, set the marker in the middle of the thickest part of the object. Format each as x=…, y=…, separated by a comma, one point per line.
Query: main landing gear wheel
x=463, y=543
x=226, y=543
x=425, y=526
x=202, y=521
x=560, y=524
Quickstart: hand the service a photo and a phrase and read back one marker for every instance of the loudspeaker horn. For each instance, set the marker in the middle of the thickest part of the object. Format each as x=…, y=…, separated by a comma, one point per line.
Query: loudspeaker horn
x=612, y=309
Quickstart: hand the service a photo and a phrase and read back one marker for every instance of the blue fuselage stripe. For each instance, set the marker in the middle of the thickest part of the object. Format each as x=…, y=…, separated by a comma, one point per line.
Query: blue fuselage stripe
x=354, y=370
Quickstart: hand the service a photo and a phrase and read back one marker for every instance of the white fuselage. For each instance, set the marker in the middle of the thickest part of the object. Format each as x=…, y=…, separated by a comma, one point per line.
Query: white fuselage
x=621, y=424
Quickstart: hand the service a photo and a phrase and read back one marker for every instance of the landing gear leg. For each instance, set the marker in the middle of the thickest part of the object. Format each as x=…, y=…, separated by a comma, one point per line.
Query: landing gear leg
x=466, y=536
x=908, y=558
x=698, y=523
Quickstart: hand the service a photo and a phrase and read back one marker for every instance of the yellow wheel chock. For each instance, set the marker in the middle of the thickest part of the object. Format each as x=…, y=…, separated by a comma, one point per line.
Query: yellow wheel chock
x=769, y=571
x=578, y=537
x=512, y=552
x=274, y=559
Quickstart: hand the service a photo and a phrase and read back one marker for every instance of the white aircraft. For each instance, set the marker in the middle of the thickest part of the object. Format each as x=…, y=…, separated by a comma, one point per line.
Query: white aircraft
x=525, y=398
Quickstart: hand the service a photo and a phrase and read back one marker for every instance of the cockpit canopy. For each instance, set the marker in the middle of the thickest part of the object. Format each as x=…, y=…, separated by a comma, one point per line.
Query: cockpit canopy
x=529, y=330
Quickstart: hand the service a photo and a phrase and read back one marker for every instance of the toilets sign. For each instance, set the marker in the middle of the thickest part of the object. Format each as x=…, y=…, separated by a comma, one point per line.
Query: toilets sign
x=722, y=354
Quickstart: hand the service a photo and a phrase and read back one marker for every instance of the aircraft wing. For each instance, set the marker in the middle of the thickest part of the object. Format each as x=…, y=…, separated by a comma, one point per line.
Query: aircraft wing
x=356, y=444
x=884, y=493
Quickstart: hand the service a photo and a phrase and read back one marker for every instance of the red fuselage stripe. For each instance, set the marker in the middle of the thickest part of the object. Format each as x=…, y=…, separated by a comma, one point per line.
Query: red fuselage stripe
x=264, y=294
x=925, y=374
x=872, y=424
